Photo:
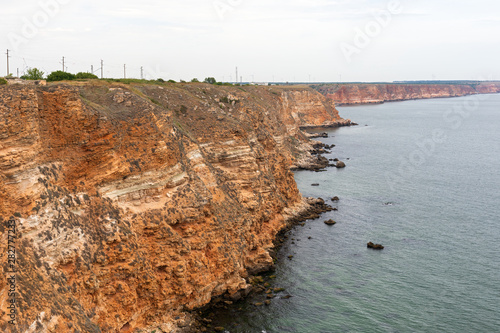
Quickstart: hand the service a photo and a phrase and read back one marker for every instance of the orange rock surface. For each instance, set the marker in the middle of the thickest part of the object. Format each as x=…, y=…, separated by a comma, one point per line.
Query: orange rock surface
x=365, y=93
x=135, y=203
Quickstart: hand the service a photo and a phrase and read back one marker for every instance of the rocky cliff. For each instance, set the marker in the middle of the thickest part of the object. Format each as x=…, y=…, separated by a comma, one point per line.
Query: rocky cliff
x=135, y=203
x=349, y=94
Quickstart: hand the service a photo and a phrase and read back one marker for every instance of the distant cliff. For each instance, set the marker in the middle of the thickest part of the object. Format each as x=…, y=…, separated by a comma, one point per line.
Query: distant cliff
x=365, y=93
x=134, y=203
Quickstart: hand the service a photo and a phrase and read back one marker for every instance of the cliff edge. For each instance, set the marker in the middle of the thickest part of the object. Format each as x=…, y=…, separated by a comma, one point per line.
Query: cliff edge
x=135, y=203
x=366, y=93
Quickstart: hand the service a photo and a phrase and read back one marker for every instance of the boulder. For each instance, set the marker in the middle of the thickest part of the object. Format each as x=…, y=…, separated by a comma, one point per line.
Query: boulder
x=330, y=222
x=340, y=165
x=371, y=245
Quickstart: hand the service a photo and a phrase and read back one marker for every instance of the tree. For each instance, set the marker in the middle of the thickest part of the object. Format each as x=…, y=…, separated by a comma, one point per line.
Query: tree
x=83, y=75
x=33, y=74
x=60, y=76
x=195, y=80
x=210, y=80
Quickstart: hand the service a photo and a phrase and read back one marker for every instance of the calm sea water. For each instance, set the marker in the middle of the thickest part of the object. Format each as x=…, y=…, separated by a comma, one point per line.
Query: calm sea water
x=423, y=179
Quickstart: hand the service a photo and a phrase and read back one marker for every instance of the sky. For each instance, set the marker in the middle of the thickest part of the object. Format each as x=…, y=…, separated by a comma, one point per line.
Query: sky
x=271, y=40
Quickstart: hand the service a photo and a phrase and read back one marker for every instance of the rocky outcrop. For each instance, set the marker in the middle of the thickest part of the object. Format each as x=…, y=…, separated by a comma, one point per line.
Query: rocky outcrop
x=135, y=203
x=365, y=93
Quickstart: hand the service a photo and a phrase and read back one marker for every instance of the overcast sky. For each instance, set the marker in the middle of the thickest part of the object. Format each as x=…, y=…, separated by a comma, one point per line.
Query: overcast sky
x=284, y=40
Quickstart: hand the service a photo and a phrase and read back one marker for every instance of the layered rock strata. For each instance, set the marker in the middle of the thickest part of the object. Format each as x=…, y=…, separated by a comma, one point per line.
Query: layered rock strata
x=351, y=94
x=136, y=203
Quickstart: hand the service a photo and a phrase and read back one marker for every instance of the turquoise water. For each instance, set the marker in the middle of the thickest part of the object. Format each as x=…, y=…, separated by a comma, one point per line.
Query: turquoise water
x=433, y=204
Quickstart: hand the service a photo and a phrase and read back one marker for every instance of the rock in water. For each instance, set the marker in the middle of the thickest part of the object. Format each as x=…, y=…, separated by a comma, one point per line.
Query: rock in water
x=330, y=222
x=340, y=165
x=371, y=245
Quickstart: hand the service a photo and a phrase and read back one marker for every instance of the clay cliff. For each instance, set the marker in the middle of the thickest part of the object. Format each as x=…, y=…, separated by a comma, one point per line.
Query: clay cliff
x=365, y=93
x=136, y=203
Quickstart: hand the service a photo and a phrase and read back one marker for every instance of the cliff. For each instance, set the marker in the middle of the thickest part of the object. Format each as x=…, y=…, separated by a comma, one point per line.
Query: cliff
x=365, y=93
x=135, y=203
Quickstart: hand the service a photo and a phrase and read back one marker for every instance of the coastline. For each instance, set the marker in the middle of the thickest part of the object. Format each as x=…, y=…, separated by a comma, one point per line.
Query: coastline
x=408, y=99
x=262, y=278
x=379, y=93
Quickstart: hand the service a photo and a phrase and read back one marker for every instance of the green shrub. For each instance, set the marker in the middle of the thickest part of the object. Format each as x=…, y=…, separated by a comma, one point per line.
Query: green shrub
x=60, y=76
x=195, y=80
x=160, y=80
x=2, y=81
x=33, y=74
x=210, y=80
x=83, y=75
x=172, y=81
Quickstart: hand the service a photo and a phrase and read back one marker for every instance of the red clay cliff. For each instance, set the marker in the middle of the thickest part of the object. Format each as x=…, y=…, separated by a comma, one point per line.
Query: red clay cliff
x=135, y=203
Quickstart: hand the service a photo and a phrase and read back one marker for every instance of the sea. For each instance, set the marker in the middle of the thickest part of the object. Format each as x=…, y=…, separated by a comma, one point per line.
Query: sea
x=422, y=179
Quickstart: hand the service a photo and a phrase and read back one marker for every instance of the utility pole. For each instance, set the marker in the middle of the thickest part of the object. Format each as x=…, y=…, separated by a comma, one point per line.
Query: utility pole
x=236, y=77
x=142, y=73
x=18, y=73
x=8, y=62
x=102, y=65
x=124, y=71
x=92, y=69
x=63, y=63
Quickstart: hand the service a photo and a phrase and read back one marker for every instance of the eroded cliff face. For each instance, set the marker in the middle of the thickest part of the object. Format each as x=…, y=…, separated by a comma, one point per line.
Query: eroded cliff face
x=136, y=203
x=349, y=94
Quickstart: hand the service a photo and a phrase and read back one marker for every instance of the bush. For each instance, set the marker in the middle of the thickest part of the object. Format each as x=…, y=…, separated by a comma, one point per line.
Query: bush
x=2, y=81
x=160, y=80
x=33, y=74
x=60, y=76
x=172, y=81
x=210, y=80
x=83, y=75
x=195, y=80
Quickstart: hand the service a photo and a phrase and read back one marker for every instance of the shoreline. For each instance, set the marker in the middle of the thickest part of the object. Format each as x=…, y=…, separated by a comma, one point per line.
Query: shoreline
x=407, y=99
x=308, y=209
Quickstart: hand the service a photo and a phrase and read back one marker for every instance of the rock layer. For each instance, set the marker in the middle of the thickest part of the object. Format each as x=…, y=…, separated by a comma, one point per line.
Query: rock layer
x=365, y=93
x=135, y=203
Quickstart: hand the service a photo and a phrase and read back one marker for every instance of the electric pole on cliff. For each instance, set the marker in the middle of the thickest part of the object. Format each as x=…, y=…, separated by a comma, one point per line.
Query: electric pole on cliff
x=102, y=65
x=124, y=71
x=63, y=63
x=236, y=78
x=8, y=62
x=142, y=73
